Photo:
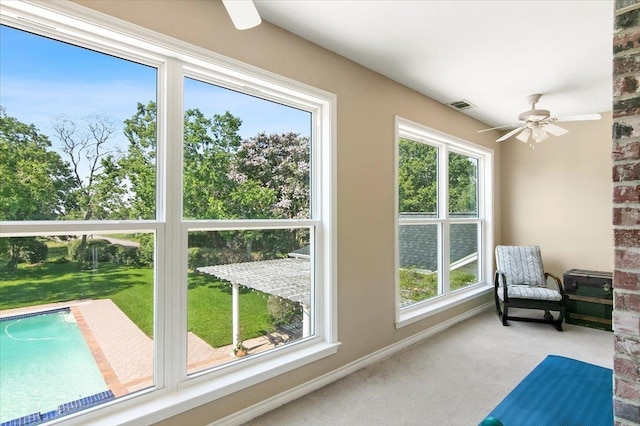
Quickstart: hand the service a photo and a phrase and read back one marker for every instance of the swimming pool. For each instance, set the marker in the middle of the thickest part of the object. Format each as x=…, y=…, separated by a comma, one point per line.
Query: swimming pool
x=44, y=363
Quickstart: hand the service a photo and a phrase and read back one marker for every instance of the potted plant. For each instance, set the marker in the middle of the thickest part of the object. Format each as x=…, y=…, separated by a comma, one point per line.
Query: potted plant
x=240, y=349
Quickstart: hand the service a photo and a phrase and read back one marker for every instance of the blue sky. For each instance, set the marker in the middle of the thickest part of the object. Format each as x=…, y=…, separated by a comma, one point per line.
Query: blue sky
x=40, y=79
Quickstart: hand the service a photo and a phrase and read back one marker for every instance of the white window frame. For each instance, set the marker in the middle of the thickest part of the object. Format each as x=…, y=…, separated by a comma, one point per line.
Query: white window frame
x=175, y=392
x=446, y=143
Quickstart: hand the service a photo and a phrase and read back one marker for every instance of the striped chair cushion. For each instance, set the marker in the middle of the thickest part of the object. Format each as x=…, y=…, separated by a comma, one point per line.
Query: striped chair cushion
x=521, y=265
x=529, y=292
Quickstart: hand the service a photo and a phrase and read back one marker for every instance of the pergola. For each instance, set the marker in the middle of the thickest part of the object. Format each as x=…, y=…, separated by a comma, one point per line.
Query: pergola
x=289, y=278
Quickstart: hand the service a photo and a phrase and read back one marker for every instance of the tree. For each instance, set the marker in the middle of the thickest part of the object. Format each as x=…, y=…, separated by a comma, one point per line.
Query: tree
x=89, y=151
x=34, y=181
x=138, y=165
x=462, y=184
x=417, y=177
x=281, y=163
x=97, y=192
x=223, y=176
x=209, y=146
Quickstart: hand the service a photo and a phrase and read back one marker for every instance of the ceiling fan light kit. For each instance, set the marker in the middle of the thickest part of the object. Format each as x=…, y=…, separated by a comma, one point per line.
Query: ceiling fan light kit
x=538, y=123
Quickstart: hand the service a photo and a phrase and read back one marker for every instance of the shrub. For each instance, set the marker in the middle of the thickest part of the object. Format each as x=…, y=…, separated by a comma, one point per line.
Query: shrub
x=199, y=256
x=208, y=239
x=282, y=311
x=34, y=251
x=202, y=256
x=95, y=250
x=146, y=249
x=124, y=255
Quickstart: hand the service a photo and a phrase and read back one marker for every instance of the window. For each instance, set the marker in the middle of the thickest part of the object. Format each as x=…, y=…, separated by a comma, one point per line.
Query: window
x=162, y=222
x=443, y=225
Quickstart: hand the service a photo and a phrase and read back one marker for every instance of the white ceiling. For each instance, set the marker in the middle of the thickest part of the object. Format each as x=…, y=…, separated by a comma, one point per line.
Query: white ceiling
x=491, y=53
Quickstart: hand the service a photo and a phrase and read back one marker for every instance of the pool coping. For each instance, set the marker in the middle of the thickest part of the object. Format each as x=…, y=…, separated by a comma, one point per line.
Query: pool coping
x=108, y=374
x=35, y=314
x=62, y=410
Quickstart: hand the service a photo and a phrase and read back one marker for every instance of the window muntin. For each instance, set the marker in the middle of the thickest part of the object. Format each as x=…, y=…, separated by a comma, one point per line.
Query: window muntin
x=72, y=23
x=456, y=219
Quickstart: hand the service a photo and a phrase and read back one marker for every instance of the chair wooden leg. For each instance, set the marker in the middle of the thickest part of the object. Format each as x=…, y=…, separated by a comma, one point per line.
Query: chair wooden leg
x=504, y=315
x=560, y=319
x=557, y=323
x=501, y=315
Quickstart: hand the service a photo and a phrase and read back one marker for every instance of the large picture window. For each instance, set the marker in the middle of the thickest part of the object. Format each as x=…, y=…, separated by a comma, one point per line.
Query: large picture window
x=443, y=223
x=162, y=224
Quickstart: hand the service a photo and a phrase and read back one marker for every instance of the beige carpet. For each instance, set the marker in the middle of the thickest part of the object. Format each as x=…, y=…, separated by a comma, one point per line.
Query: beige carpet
x=453, y=378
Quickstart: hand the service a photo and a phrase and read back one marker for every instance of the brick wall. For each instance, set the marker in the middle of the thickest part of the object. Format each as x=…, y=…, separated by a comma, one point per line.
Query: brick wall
x=626, y=211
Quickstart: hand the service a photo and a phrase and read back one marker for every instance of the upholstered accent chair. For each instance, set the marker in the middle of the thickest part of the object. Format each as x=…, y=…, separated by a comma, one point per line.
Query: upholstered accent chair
x=520, y=282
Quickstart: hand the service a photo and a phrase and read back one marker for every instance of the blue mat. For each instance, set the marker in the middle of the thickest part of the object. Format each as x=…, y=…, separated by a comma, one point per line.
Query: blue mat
x=560, y=392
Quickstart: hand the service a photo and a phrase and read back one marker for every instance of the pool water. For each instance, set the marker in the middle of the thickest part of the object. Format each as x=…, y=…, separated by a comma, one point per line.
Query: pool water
x=44, y=362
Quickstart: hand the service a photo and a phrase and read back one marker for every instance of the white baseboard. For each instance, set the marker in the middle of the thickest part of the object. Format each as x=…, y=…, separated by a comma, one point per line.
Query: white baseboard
x=292, y=394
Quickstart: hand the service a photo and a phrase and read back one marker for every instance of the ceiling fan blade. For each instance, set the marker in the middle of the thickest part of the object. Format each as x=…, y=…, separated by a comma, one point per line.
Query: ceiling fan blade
x=524, y=136
x=499, y=127
x=243, y=13
x=581, y=117
x=508, y=135
x=555, y=130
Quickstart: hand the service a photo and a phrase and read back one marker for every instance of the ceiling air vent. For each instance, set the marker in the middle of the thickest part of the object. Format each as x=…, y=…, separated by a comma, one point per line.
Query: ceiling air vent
x=462, y=104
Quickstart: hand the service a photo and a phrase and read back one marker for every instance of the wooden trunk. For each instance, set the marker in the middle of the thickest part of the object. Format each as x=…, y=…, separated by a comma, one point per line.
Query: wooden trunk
x=589, y=298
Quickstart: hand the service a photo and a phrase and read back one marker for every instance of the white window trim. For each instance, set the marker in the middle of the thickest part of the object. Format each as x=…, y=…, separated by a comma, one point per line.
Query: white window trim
x=174, y=392
x=446, y=143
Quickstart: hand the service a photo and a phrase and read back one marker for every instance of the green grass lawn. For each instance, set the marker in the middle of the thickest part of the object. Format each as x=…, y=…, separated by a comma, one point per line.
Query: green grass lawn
x=419, y=286
x=127, y=237
x=209, y=306
x=131, y=289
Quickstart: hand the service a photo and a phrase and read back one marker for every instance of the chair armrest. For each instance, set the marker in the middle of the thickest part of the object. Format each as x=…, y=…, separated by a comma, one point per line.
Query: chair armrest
x=557, y=280
x=500, y=276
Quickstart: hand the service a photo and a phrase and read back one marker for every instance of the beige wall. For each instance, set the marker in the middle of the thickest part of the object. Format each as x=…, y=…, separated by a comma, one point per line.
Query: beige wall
x=558, y=196
x=367, y=104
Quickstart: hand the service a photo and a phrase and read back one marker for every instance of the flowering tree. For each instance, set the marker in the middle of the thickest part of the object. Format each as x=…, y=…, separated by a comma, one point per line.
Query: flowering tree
x=279, y=162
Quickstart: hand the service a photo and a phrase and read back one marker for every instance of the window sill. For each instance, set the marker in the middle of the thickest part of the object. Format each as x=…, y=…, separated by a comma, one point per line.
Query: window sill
x=422, y=310
x=155, y=406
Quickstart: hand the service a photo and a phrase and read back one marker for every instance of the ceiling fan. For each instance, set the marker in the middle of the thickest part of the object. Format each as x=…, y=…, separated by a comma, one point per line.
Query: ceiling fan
x=538, y=123
x=243, y=13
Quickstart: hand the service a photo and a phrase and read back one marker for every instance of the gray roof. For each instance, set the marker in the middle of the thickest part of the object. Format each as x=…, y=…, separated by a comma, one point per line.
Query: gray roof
x=288, y=278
